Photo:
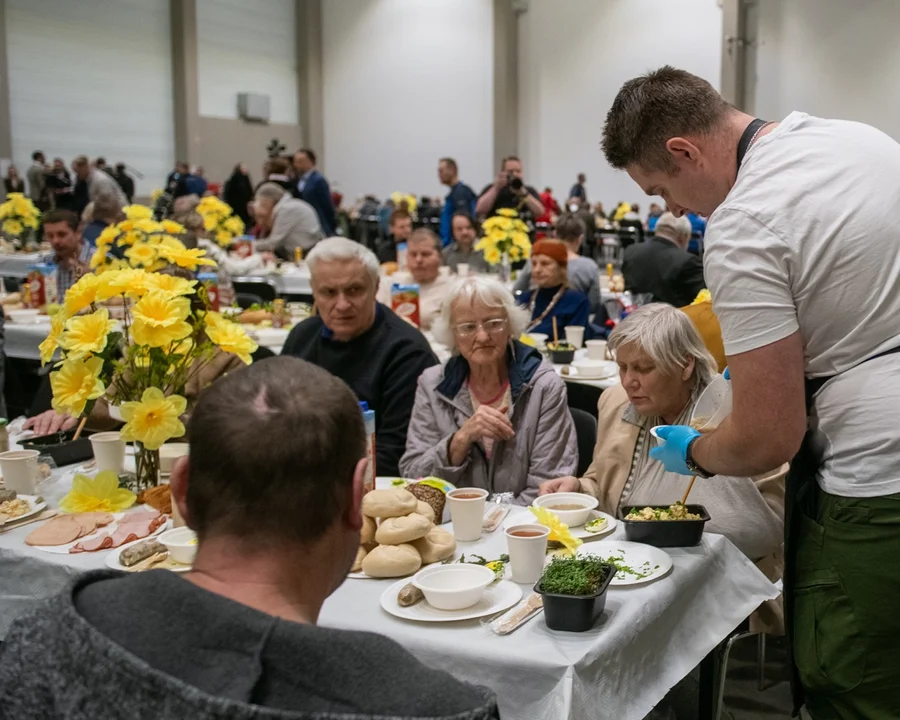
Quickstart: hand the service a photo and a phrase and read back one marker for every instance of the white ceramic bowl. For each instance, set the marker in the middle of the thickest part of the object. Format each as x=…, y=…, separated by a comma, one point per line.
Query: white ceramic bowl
x=572, y=518
x=181, y=543
x=590, y=368
x=453, y=587
x=28, y=316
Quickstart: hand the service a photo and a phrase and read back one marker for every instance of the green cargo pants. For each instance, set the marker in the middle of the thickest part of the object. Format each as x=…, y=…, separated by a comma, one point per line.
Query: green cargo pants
x=846, y=595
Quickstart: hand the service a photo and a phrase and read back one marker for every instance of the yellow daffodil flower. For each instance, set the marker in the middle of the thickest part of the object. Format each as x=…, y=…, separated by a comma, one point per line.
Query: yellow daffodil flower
x=76, y=382
x=231, y=338
x=87, y=334
x=175, y=252
x=559, y=531
x=51, y=342
x=170, y=283
x=154, y=419
x=82, y=294
x=137, y=212
x=141, y=254
x=159, y=319
x=98, y=494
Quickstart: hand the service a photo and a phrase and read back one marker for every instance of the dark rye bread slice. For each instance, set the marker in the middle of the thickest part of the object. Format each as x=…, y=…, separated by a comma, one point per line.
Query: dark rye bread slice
x=430, y=495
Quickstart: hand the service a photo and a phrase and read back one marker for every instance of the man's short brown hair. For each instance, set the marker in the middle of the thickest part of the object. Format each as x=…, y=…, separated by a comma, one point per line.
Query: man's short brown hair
x=450, y=162
x=273, y=449
x=569, y=227
x=58, y=216
x=398, y=215
x=427, y=235
x=653, y=108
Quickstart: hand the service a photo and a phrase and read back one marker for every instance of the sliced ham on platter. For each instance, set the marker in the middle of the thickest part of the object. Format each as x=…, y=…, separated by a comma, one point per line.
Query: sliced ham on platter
x=131, y=527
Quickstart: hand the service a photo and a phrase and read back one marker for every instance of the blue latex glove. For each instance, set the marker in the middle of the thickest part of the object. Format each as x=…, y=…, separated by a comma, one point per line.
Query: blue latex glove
x=727, y=374
x=673, y=451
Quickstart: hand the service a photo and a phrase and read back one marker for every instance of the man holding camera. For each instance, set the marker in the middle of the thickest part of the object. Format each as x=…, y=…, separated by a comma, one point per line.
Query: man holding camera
x=510, y=191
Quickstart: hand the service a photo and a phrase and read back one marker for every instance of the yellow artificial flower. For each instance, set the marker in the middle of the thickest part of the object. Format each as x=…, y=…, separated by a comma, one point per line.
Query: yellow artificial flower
x=98, y=494
x=515, y=254
x=137, y=212
x=485, y=244
x=108, y=236
x=141, y=254
x=703, y=296
x=147, y=226
x=170, y=283
x=234, y=225
x=170, y=226
x=231, y=338
x=82, y=294
x=223, y=237
x=559, y=531
x=130, y=237
x=13, y=227
x=159, y=319
x=51, y=342
x=98, y=259
x=124, y=280
x=75, y=383
x=175, y=252
x=155, y=195
x=210, y=222
x=154, y=419
x=493, y=256
x=507, y=212
x=87, y=334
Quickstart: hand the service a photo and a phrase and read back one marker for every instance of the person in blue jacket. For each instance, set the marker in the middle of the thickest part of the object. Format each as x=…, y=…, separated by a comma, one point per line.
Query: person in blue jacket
x=460, y=199
x=312, y=187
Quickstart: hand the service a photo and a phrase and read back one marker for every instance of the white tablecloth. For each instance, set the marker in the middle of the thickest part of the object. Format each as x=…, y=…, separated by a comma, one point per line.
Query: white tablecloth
x=21, y=341
x=16, y=265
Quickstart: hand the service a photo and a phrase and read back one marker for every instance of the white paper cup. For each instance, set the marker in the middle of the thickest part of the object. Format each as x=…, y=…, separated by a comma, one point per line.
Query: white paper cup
x=169, y=453
x=575, y=335
x=467, y=512
x=109, y=451
x=20, y=471
x=526, y=554
x=596, y=349
x=462, y=269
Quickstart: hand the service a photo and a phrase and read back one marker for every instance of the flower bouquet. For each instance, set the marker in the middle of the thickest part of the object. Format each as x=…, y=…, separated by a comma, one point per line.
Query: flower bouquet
x=505, y=239
x=219, y=220
x=404, y=201
x=142, y=363
x=19, y=218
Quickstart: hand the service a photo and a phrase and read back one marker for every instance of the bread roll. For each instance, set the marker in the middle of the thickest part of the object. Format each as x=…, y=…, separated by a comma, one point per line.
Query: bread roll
x=437, y=545
x=395, y=531
x=432, y=496
x=391, y=503
x=423, y=508
x=387, y=561
x=367, y=534
x=358, y=563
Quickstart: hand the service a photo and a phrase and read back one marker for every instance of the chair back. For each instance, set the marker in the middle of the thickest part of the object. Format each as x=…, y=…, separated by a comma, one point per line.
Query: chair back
x=259, y=286
x=586, y=437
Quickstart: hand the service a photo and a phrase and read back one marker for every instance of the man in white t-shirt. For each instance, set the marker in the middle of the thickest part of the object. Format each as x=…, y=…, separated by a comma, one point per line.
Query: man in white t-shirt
x=803, y=262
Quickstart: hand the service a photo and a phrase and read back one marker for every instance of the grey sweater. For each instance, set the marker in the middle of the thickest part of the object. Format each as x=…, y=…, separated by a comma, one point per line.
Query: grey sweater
x=153, y=645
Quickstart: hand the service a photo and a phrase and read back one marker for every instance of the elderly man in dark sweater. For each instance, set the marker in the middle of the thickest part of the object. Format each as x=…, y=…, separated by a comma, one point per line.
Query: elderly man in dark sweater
x=273, y=488
x=363, y=342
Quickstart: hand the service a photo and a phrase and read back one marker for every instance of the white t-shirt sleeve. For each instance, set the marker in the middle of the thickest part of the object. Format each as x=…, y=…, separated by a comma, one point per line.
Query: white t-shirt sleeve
x=747, y=268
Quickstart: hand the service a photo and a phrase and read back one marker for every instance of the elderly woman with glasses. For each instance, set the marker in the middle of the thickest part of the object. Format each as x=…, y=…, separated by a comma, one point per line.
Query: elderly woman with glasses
x=663, y=368
x=495, y=415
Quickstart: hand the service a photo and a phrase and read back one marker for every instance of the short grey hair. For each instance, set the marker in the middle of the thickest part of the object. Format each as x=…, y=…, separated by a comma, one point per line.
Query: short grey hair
x=423, y=234
x=680, y=228
x=340, y=249
x=491, y=293
x=269, y=191
x=668, y=336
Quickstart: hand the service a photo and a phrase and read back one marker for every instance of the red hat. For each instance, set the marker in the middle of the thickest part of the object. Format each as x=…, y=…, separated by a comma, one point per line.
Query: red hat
x=553, y=249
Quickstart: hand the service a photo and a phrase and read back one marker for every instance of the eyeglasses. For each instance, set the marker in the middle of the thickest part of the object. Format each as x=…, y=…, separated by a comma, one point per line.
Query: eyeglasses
x=491, y=327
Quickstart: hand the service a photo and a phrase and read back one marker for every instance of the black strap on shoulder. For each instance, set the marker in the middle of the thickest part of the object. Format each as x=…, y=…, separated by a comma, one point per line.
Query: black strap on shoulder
x=746, y=138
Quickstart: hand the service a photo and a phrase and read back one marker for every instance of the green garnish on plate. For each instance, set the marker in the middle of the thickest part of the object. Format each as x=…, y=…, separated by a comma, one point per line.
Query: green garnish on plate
x=596, y=525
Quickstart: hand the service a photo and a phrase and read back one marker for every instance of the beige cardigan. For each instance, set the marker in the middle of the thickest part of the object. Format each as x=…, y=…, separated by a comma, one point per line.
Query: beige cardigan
x=606, y=477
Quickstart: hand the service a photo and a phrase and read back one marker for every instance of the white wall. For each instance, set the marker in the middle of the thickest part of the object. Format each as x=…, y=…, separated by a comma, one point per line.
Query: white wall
x=405, y=83
x=830, y=58
x=247, y=47
x=573, y=58
x=92, y=77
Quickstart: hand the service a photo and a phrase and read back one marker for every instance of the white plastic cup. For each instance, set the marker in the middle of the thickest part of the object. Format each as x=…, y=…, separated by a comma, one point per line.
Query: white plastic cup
x=169, y=454
x=109, y=451
x=462, y=269
x=596, y=349
x=20, y=470
x=527, y=553
x=467, y=512
x=575, y=335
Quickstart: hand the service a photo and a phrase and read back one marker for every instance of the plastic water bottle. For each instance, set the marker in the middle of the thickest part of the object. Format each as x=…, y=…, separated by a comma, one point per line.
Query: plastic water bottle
x=369, y=418
x=401, y=256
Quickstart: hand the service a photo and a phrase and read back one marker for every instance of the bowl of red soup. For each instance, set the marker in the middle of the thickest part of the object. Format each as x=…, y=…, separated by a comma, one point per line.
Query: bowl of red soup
x=572, y=508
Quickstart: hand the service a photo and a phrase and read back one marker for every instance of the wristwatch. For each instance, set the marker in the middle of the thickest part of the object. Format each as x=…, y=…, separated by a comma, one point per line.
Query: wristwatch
x=692, y=464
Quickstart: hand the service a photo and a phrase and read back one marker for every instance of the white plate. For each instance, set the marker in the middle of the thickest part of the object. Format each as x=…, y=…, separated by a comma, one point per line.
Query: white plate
x=36, y=507
x=610, y=369
x=112, y=559
x=643, y=558
x=111, y=528
x=526, y=517
x=498, y=597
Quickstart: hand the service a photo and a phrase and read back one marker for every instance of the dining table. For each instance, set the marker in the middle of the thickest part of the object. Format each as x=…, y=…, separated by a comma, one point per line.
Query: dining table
x=647, y=639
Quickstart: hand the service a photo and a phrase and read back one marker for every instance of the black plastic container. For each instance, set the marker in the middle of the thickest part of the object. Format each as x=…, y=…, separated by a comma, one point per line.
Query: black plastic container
x=664, y=533
x=562, y=357
x=575, y=613
x=61, y=447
